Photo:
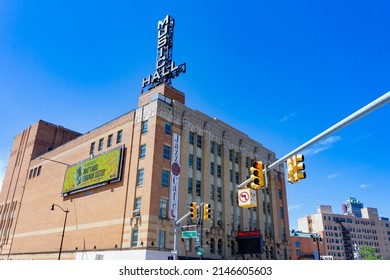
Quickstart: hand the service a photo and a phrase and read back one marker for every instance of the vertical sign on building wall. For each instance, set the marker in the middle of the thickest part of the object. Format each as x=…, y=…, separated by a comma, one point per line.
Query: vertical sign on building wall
x=175, y=176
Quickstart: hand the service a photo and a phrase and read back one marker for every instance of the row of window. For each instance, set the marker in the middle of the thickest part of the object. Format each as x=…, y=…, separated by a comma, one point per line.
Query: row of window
x=349, y=220
x=35, y=172
x=163, y=212
x=164, y=177
x=145, y=124
x=166, y=151
x=110, y=139
x=161, y=242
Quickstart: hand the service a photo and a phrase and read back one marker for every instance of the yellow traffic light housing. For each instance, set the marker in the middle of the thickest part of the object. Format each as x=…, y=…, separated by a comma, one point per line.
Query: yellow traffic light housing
x=300, y=167
x=291, y=170
x=193, y=211
x=295, y=168
x=257, y=175
x=206, y=211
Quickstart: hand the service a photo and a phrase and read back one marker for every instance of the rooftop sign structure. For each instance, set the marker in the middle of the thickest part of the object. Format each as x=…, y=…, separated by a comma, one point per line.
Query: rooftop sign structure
x=165, y=67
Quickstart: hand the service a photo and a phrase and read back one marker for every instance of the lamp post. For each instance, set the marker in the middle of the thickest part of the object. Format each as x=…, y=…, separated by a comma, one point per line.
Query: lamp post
x=317, y=239
x=63, y=230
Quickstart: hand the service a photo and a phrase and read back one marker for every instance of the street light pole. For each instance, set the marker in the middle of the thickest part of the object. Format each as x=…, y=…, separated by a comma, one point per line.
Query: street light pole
x=317, y=239
x=63, y=230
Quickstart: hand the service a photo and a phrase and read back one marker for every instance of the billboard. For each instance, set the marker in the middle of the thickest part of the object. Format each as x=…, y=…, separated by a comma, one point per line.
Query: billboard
x=93, y=172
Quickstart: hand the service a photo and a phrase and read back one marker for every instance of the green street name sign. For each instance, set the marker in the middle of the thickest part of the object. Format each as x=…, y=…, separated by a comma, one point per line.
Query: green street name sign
x=188, y=234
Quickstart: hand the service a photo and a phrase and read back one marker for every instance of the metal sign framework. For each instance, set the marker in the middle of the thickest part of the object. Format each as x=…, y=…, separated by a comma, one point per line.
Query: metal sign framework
x=166, y=69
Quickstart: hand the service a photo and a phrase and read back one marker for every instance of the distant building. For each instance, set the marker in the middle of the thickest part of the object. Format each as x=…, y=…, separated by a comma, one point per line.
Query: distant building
x=304, y=245
x=342, y=234
x=352, y=207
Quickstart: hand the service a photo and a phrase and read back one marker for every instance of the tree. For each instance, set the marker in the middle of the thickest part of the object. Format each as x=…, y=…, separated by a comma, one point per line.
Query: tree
x=369, y=253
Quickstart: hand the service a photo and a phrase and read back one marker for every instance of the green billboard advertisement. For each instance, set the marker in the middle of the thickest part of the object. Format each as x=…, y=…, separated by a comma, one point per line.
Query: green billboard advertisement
x=93, y=172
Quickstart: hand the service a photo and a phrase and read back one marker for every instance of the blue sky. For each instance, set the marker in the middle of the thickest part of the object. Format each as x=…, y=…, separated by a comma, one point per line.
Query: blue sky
x=281, y=71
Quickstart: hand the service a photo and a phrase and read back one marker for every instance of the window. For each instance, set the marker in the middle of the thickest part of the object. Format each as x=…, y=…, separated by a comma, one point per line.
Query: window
x=190, y=161
x=281, y=212
x=39, y=170
x=161, y=239
x=236, y=158
x=101, y=143
x=35, y=172
x=142, y=151
x=119, y=137
x=212, y=246
x=31, y=173
x=138, y=201
x=165, y=178
x=199, y=141
x=212, y=147
x=220, y=250
x=190, y=185
x=137, y=207
x=144, y=127
x=219, y=149
x=163, y=208
x=219, y=171
x=92, y=149
x=140, y=177
x=191, y=138
x=167, y=152
x=134, y=238
x=198, y=187
x=109, y=141
x=219, y=194
x=237, y=178
x=198, y=163
x=280, y=194
x=212, y=168
x=212, y=192
x=168, y=128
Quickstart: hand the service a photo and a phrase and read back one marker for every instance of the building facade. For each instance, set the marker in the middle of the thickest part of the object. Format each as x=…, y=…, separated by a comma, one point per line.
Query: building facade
x=343, y=234
x=306, y=246
x=113, y=185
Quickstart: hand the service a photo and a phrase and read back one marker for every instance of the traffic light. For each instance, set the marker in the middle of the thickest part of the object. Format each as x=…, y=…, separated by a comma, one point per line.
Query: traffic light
x=290, y=170
x=295, y=168
x=300, y=167
x=206, y=211
x=257, y=176
x=193, y=211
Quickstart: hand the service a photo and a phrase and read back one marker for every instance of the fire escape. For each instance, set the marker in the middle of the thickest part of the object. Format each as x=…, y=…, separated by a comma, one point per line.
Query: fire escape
x=347, y=242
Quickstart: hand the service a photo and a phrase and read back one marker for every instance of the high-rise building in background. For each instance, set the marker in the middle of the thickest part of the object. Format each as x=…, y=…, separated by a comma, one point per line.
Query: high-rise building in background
x=343, y=234
x=352, y=206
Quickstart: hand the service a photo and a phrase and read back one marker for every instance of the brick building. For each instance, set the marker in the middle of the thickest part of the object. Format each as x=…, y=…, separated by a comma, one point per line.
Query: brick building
x=115, y=184
x=343, y=234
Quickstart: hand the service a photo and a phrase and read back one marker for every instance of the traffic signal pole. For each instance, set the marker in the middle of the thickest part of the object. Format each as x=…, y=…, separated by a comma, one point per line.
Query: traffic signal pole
x=176, y=230
x=377, y=103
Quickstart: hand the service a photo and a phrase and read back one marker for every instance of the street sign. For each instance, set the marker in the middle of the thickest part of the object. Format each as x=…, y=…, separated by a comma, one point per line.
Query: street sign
x=200, y=251
x=247, y=198
x=188, y=234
